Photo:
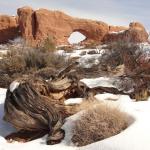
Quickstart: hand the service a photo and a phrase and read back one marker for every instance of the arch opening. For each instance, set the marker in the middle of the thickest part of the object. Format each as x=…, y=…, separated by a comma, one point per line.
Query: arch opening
x=76, y=37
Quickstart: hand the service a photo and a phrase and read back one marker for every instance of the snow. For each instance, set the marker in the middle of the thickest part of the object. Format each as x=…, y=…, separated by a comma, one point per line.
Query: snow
x=107, y=96
x=88, y=61
x=135, y=137
x=101, y=81
x=14, y=85
x=17, y=41
x=73, y=101
x=85, y=60
x=113, y=32
x=3, y=51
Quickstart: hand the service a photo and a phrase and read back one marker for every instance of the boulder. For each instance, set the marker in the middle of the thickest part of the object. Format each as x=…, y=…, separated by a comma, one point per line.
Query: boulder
x=8, y=28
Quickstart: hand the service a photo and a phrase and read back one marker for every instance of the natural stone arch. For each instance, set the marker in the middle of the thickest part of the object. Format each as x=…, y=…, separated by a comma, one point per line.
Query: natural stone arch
x=61, y=25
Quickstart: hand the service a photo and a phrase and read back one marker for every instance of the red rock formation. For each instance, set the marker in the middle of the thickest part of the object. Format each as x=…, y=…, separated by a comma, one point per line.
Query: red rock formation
x=26, y=23
x=8, y=28
x=42, y=23
x=136, y=34
x=117, y=28
x=36, y=26
x=136, y=25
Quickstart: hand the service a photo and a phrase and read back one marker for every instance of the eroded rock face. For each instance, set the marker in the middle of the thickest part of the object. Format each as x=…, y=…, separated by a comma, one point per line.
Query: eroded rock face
x=8, y=28
x=40, y=24
x=117, y=28
x=136, y=33
x=26, y=23
x=36, y=26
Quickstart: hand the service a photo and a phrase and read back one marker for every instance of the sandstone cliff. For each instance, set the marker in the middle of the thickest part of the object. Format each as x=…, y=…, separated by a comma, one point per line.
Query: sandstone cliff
x=35, y=26
x=8, y=28
x=42, y=23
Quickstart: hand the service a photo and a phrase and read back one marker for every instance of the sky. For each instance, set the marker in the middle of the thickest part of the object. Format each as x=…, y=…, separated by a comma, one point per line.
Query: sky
x=114, y=12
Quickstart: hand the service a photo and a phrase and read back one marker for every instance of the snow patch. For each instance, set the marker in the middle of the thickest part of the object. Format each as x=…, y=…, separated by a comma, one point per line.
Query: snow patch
x=14, y=85
x=135, y=137
x=115, y=98
x=3, y=51
x=107, y=96
x=102, y=81
x=73, y=101
x=113, y=32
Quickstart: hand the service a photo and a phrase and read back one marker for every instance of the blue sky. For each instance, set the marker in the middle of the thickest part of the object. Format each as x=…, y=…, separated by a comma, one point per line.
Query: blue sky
x=116, y=12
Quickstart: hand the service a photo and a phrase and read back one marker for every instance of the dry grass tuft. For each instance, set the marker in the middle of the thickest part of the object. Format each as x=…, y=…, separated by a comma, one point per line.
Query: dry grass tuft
x=142, y=95
x=97, y=123
x=48, y=45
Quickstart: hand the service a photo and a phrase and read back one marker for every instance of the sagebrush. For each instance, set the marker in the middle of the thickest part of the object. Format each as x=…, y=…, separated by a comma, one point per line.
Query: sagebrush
x=28, y=60
x=97, y=123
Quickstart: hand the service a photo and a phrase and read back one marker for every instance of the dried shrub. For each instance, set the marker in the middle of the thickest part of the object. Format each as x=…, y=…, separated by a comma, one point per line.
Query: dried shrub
x=48, y=44
x=5, y=80
x=98, y=123
x=57, y=61
x=12, y=65
x=34, y=59
x=117, y=52
x=90, y=45
x=26, y=60
x=46, y=73
x=66, y=48
x=142, y=95
x=1, y=54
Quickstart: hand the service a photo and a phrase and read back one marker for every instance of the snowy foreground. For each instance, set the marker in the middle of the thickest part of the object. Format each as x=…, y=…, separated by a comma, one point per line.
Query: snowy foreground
x=135, y=137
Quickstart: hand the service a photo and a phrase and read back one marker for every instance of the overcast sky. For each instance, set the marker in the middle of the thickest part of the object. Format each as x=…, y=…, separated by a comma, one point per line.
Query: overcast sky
x=116, y=12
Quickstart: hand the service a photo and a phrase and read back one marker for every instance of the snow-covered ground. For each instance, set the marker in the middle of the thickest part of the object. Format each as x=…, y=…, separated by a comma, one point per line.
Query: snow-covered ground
x=135, y=137
x=86, y=57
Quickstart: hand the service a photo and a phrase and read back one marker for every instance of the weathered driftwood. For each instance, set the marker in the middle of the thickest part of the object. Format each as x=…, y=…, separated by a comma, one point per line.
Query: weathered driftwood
x=28, y=109
x=36, y=107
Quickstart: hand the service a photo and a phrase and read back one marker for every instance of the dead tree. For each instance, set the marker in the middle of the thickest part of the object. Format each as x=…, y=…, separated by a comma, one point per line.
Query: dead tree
x=36, y=107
